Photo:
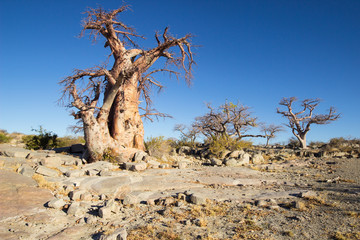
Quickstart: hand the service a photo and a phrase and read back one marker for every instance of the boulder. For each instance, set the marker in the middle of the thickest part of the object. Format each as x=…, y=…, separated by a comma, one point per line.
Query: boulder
x=216, y=162
x=109, y=208
x=182, y=165
x=77, y=148
x=236, y=154
x=258, y=159
x=56, y=203
x=153, y=163
x=231, y=162
x=138, y=167
x=244, y=159
x=139, y=156
x=197, y=199
x=224, y=154
x=75, y=209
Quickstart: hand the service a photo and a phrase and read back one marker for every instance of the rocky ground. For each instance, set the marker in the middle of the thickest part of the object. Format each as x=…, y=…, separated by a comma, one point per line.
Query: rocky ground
x=48, y=195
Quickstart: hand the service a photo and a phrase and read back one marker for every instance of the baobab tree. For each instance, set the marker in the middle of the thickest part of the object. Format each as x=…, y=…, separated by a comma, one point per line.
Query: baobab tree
x=188, y=134
x=115, y=123
x=300, y=121
x=229, y=120
x=270, y=131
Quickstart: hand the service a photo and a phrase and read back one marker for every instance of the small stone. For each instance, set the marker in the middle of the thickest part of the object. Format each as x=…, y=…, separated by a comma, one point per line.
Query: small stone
x=153, y=163
x=216, y=162
x=76, y=194
x=105, y=212
x=91, y=219
x=164, y=165
x=102, y=197
x=258, y=159
x=56, y=203
x=308, y=194
x=299, y=205
x=197, y=199
x=75, y=209
x=74, y=173
x=92, y=172
x=127, y=165
x=244, y=159
x=139, y=156
x=86, y=196
x=138, y=167
x=236, y=154
x=182, y=165
x=261, y=203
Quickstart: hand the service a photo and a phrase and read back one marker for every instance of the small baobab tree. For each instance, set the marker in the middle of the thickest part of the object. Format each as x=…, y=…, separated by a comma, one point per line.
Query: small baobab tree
x=228, y=121
x=300, y=121
x=188, y=134
x=108, y=100
x=270, y=131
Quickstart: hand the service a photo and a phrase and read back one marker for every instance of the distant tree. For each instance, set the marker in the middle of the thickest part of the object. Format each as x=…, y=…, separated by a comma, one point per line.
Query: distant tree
x=300, y=121
x=270, y=131
x=114, y=123
x=228, y=121
x=188, y=134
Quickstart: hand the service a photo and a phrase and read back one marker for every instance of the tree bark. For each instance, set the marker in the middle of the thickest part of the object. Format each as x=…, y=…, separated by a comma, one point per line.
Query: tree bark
x=127, y=125
x=302, y=140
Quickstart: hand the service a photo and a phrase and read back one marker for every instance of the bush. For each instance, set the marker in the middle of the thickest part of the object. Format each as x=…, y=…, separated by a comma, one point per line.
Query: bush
x=44, y=140
x=293, y=143
x=343, y=144
x=158, y=146
x=4, y=138
x=219, y=145
x=316, y=144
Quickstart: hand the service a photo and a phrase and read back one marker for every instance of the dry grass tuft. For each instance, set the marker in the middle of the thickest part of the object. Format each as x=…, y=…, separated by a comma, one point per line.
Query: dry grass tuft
x=43, y=183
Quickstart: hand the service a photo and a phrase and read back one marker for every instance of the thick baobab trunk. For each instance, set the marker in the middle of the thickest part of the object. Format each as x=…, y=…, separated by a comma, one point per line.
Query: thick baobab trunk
x=97, y=137
x=127, y=126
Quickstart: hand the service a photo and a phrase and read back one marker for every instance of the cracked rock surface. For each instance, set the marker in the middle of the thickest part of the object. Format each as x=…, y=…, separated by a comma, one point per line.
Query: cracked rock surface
x=300, y=198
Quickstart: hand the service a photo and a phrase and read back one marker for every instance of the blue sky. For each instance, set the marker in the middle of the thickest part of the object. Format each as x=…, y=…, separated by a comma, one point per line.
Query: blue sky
x=253, y=52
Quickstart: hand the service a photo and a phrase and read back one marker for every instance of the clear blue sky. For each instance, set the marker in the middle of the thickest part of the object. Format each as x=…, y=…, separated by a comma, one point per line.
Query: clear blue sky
x=254, y=52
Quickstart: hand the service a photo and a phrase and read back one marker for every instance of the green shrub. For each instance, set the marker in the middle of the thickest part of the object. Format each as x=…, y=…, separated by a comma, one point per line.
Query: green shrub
x=44, y=140
x=4, y=136
x=220, y=144
x=158, y=146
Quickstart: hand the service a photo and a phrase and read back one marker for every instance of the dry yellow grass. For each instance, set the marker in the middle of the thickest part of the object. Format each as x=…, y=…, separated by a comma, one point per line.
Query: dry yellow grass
x=43, y=183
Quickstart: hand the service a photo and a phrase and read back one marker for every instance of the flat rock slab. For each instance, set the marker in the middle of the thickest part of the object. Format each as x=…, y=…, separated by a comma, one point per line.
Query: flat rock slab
x=154, y=183
x=20, y=195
